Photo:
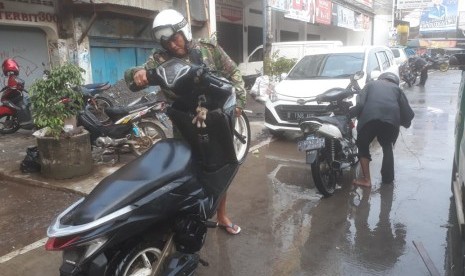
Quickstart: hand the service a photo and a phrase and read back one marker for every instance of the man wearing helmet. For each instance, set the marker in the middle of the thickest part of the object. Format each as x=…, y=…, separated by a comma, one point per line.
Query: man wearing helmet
x=381, y=108
x=173, y=33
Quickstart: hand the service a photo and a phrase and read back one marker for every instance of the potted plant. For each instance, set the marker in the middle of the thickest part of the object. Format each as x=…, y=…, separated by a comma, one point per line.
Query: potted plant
x=61, y=155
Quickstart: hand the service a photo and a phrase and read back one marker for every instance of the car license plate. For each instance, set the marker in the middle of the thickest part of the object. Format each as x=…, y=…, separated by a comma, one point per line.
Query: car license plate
x=299, y=115
x=311, y=143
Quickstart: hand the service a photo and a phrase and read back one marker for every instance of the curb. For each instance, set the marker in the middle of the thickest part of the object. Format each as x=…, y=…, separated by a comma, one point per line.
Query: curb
x=37, y=183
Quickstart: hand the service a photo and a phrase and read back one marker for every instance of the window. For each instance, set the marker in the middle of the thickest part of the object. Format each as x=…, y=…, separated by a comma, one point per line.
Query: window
x=396, y=52
x=257, y=55
x=385, y=64
x=372, y=63
x=326, y=66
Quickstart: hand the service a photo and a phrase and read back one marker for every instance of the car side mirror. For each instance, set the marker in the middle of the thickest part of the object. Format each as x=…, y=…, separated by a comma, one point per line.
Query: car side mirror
x=283, y=76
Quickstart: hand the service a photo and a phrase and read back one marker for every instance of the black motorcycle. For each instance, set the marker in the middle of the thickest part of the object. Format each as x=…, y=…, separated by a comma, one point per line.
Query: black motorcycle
x=438, y=62
x=408, y=73
x=125, y=129
x=151, y=216
x=328, y=141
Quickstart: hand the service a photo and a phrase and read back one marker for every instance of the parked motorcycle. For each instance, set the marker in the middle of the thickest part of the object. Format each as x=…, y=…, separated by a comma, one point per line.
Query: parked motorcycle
x=329, y=142
x=97, y=103
x=15, y=110
x=125, y=129
x=151, y=216
x=438, y=62
x=408, y=73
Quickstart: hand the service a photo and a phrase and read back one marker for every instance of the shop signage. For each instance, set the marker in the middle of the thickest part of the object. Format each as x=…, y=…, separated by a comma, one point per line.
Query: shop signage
x=302, y=10
x=323, y=12
x=229, y=14
x=39, y=16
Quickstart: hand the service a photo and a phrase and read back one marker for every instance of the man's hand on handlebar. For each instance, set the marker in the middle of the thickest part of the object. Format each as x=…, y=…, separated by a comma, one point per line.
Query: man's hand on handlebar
x=140, y=78
x=238, y=112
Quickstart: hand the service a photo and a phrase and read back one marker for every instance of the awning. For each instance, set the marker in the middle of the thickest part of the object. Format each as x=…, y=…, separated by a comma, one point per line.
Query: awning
x=86, y=7
x=432, y=43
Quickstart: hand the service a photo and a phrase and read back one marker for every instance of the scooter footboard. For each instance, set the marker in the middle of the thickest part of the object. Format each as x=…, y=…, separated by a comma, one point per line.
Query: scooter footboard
x=217, y=183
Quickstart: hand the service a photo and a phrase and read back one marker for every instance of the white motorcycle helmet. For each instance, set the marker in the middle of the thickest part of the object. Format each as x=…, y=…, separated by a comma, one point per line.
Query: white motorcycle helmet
x=167, y=23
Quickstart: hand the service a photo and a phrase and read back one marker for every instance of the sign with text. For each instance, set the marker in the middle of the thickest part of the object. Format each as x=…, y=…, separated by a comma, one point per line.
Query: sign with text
x=440, y=15
x=303, y=10
x=323, y=12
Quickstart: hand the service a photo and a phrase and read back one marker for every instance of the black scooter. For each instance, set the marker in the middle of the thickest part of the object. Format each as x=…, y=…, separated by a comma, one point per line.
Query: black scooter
x=151, y=216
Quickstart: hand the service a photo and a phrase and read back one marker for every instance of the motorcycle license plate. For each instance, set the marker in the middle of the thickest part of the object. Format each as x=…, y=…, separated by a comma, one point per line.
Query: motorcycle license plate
x=311, y=143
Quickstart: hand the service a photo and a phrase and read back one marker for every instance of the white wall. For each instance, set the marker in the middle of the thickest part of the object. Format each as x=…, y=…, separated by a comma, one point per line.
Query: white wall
x=382, y=23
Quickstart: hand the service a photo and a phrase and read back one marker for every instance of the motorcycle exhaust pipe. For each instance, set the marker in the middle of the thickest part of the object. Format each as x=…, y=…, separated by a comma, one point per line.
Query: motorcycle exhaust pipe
x=109, y=142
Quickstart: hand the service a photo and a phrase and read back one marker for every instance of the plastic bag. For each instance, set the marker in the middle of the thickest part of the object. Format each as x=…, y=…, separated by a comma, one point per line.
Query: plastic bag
x=261, y=88
x=31, y=162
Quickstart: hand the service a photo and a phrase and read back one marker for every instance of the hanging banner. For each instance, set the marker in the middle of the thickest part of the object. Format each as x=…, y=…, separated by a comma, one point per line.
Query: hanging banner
x=440, y=15
x=323, y=12
x=412, y=4
x=280, y=5
x=362, y=22
x=228, y=14
x=303, y=10
x=368, y=3
x=345, y=17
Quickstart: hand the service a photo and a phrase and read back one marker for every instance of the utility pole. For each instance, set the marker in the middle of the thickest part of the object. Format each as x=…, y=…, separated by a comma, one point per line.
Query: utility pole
x=267, y=36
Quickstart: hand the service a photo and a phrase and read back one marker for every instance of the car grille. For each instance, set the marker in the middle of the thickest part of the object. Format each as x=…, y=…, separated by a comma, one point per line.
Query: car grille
x=296, y=113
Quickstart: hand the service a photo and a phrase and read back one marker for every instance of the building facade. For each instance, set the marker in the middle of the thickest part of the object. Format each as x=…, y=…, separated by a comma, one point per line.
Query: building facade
x=107, y=37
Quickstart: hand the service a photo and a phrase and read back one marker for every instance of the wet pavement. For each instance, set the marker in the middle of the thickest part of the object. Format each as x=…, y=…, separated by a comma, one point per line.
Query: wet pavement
x=288, y=229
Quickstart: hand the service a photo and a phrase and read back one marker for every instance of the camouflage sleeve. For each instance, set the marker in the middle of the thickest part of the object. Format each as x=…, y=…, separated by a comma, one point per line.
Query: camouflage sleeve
x=149, y=64
x=226, y=65
x=129, y=78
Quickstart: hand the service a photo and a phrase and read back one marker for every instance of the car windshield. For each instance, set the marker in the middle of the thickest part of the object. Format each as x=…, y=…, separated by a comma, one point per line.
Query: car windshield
x=327, y=66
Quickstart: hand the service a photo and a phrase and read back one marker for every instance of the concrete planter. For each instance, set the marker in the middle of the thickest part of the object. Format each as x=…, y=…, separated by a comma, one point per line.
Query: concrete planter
x=65, y=157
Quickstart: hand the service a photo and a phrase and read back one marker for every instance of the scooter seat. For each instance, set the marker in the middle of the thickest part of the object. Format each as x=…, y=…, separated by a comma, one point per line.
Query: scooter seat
x=118, y=112
x=93, y=86
x=338, y=121
x=167, y=161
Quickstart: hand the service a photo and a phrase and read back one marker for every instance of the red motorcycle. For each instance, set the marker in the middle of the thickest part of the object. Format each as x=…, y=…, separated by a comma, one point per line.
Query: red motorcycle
x=14, y=101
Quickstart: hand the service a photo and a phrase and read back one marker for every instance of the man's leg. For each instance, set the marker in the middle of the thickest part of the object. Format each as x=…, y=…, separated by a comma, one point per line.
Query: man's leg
x=387, y=137
x=364, y=139
x=223, y=221
x=423, y=77
x=366, y=180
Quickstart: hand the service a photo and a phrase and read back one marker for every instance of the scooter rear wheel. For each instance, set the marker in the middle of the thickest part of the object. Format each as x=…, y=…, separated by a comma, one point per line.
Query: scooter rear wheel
x=323, y=175
x=138, y=260
x=153, y=133
x=8, y=124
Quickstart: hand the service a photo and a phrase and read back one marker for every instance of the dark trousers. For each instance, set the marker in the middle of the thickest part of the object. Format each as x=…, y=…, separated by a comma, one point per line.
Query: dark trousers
x=423, y=76
x=387, y=136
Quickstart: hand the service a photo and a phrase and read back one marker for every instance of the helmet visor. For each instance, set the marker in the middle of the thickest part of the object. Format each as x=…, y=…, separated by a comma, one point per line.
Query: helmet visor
x=163, y=33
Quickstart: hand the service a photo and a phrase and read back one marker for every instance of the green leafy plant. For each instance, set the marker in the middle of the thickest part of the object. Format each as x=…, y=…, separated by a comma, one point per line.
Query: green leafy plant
x=47, y=93
x=276, y=65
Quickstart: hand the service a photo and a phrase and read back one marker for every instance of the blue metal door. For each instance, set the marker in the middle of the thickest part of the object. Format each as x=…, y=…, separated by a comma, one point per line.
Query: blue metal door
x=110, y=60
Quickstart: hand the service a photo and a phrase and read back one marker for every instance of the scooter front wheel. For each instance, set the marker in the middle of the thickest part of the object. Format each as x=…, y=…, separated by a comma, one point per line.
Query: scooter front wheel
x=8, y=124
x=323, y=175
x=242, y=128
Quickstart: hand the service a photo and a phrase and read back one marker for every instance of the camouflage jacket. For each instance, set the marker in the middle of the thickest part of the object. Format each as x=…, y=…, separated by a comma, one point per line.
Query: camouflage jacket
x=212, y=55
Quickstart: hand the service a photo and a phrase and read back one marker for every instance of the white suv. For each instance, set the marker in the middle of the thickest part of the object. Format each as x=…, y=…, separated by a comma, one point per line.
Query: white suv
x=316, y=73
